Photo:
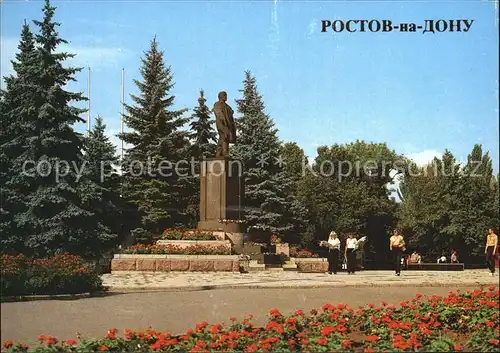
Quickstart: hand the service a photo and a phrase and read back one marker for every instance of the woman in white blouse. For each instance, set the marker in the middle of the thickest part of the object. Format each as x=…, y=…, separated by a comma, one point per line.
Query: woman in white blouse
x=350, y=248
x=333, y=252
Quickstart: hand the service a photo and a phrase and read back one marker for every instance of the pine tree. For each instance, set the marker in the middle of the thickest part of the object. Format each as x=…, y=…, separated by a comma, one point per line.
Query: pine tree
x=158, y=192
x=13, y=111
x=100, y=163
x=203, y=137
x=203, y=133
x=57, y=201
x=258, y=148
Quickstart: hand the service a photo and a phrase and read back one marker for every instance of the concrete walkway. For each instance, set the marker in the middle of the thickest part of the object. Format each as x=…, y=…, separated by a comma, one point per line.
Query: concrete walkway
x=173, y=281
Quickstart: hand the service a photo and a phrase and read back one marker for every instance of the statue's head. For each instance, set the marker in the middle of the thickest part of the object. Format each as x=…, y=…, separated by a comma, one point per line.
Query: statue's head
x=222, y=96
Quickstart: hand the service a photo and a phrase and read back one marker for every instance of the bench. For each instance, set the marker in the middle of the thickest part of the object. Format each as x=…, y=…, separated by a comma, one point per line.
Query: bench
x=436, y=267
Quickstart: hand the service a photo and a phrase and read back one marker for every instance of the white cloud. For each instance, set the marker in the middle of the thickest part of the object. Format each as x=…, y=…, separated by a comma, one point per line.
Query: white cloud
x=424, y=157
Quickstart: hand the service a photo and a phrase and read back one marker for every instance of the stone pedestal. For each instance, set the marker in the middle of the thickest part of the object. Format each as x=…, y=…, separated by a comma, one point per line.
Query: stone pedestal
x=222, y=198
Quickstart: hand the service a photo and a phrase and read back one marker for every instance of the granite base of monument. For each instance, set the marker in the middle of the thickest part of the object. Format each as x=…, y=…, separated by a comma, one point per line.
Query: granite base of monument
x=222, y=199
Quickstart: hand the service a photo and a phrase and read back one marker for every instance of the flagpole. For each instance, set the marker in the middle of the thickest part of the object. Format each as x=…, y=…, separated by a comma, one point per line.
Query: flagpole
x=123, y=108
x=88, y=97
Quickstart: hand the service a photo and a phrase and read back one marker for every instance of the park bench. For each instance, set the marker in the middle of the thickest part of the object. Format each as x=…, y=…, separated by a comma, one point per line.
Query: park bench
x=436, y=267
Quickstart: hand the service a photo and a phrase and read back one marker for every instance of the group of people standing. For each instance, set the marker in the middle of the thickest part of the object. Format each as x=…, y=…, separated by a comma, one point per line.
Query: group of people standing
x=397, y=246
x=333, y=244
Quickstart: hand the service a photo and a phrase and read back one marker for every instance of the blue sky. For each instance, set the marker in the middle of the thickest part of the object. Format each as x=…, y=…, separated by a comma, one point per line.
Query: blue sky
x=420, y=93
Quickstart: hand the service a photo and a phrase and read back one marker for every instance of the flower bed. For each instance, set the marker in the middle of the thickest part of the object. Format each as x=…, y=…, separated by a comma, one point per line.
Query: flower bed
x=60, y=274
x=176, y=249
x=294, y=252
x=460, y=322
x=183, y=234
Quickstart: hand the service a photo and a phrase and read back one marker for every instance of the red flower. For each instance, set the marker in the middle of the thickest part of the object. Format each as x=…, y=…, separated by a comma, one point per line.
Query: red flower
x=215, y=329
x=346, y=343
x=490, y=323
x=371, y=338
x=70, y=342
x=304, y=341
x=252, y=348
x=103, y=348
x=51, y=341
x=129, y=334
x=322, y=342
x=327, y=330
x=111, y=335
x=299, y=312
x=7, y=344
x=457, y=347
x=274, y=313
x=494, y=342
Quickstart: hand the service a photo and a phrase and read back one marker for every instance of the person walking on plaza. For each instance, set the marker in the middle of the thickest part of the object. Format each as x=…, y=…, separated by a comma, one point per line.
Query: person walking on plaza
x=490, y=250
x=333, y=245
x=350, y=253
x=396, y=245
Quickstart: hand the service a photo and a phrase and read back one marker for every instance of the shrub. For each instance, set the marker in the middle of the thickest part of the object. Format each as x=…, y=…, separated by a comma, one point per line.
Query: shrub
x=180, y=234
x=420, y=325
x=60, y=274
x=177, y=250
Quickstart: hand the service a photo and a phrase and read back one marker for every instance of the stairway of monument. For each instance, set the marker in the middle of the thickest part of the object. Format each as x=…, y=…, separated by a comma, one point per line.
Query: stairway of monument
x=265, y=263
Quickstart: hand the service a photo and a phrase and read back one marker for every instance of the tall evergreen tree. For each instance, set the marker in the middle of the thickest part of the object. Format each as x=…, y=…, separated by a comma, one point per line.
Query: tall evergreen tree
x=258, y=147
x=13, y=111
x=56, y=200
x=203, y=137
x=101, y=162
x=158, y=191
x=203, y=134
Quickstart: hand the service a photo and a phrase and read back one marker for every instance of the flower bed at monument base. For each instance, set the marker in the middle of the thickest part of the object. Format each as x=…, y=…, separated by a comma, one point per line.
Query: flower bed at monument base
x=183, y=244
x=187, y=234
x=459, y=322
x=167, y=263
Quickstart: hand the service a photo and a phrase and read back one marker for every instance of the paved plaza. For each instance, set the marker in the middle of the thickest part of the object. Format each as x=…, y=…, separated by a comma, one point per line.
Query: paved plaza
x=120, y=281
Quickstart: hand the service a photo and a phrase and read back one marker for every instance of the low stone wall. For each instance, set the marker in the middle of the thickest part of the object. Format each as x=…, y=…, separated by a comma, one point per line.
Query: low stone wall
x=167, y=263
x=282, y=248
x=187, y=243
x=310, y=264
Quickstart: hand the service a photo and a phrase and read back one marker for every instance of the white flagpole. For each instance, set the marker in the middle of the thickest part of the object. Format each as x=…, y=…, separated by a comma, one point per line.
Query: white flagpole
x=88, y=97
x=123, y=107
